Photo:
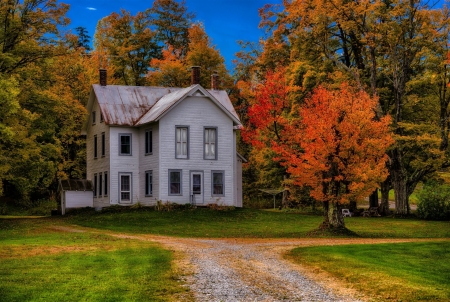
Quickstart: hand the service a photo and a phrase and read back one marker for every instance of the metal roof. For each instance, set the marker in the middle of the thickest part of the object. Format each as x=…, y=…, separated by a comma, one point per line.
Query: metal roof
x=125, y=105
x=138, y=105
x=76, y=185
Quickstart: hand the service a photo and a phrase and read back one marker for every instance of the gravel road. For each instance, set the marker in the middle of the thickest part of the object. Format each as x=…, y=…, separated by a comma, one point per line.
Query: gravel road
x=233, y=271
x=251, y=269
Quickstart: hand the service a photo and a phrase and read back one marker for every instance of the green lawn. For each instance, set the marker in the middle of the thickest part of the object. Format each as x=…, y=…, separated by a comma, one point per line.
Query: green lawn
x=248, y=223
x=386, y=272
x=39, y=263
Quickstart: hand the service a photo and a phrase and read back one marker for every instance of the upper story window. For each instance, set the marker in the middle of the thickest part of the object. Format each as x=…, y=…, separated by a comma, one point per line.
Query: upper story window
x=125, y=144
x=148, y=141
x=95, y=146
x=103, y=144
x=182, y=142
x=101, y=118
x=210, y=139
x=93, y=117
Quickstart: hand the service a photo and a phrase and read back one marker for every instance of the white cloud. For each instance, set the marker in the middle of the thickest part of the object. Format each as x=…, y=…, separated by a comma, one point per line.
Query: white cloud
x=91, y=8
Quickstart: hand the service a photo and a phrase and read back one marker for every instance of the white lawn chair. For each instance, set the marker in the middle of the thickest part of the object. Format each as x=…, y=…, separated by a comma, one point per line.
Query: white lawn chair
x=346, y=213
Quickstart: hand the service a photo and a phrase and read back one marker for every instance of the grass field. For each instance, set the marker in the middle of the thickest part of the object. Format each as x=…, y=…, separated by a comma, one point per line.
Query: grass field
x=249, y=223
x=41, y=263
x=386, y=272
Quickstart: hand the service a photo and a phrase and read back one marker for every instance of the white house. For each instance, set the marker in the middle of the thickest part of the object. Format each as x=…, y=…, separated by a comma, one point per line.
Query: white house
x=154, y=143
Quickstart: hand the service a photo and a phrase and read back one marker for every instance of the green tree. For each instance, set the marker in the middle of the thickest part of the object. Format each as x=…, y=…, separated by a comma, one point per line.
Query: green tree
x=129, y=44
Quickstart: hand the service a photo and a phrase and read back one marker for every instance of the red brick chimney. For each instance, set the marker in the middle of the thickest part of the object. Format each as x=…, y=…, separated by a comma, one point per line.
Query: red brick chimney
x=195, y=75
x=215, y=81
x=102, y=77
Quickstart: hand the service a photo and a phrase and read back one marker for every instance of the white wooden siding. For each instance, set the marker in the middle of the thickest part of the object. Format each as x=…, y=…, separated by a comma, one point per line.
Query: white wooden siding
x=197, y=113
x=124, y=163
x=100, y=164
x=78, y=199
x=149, y=162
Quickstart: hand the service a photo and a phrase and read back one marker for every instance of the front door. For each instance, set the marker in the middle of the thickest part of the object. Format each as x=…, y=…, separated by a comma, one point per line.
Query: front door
x=196, y=193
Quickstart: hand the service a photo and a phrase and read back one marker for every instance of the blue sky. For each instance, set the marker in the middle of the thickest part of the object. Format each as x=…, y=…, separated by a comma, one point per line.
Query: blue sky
x=226, y=21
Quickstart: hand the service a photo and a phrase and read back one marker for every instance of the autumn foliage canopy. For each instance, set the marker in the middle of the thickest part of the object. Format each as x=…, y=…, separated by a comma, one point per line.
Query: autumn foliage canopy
x=332, y=143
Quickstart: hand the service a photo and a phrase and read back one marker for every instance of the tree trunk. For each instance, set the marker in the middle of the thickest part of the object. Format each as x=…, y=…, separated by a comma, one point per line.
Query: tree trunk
x=373, y=199
x=333, y=218
x=384, y=205
x=399, y=183
x=284, y=198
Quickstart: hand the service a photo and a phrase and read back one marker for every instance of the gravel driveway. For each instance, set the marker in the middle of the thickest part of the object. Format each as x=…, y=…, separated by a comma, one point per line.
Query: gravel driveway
x=255, y=270
x=252, y=269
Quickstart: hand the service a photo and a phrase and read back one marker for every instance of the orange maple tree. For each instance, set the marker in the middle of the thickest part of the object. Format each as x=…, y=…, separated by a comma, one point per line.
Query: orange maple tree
x=332, y=143
x=337, y=148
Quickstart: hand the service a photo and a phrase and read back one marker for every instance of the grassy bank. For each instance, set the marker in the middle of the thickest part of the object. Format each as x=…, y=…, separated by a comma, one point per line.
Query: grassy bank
x=41, y=262
x=386, y=272
x=250, y=223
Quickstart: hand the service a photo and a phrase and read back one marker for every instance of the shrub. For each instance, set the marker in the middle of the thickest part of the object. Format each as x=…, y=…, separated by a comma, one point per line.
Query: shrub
x=434, y=202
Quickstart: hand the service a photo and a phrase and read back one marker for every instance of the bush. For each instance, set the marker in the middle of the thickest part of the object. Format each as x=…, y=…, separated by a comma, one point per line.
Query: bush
x=434, y=202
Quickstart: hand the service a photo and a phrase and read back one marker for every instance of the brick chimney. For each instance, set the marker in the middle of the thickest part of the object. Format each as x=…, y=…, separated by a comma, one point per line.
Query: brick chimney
x=102, y=77
x=195, y=75
x=215, y=81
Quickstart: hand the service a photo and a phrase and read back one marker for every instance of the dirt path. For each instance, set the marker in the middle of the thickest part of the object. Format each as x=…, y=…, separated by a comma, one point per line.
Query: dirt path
x=251, y=269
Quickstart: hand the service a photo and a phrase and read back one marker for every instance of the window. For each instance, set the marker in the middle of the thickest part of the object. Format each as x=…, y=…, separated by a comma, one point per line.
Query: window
x=125, y=144
x=93, y=117
x=174, y=182
x=100, y=184
x=148, y=141
x=210, y=140
x=218, y=183
x=148, y=183
x=95, y=146
x=95, y=185
x=125, y=187
x=105, y=180
x=103, y=144
x=182, y=140
x=101, y=118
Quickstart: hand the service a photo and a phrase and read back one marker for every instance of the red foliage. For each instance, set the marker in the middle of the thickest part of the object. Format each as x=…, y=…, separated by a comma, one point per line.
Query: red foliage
x=338, y=148
x=267, y=111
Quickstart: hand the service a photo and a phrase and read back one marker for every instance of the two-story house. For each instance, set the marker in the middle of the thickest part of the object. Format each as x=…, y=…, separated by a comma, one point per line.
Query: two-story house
x=154, y=143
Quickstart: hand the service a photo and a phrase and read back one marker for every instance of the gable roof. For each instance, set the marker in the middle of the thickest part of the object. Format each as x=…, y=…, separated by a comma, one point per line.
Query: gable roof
x=139, y=105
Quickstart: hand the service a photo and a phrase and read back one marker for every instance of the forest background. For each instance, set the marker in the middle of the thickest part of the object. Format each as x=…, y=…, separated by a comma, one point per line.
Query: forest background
x=394, y=51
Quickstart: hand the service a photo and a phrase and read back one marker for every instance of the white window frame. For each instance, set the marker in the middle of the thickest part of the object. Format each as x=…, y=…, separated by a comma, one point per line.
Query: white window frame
x=148, y=142
x=209, y=144
x=212, y=182
x=120, y=144
x=180, y=142
x=122, y=190
x=149, y=183
x=170, y=183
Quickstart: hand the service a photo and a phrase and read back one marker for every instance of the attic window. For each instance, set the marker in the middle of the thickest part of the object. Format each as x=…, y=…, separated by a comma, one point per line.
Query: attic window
x=93, y=117
x=101, y=118
x=198, y=93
